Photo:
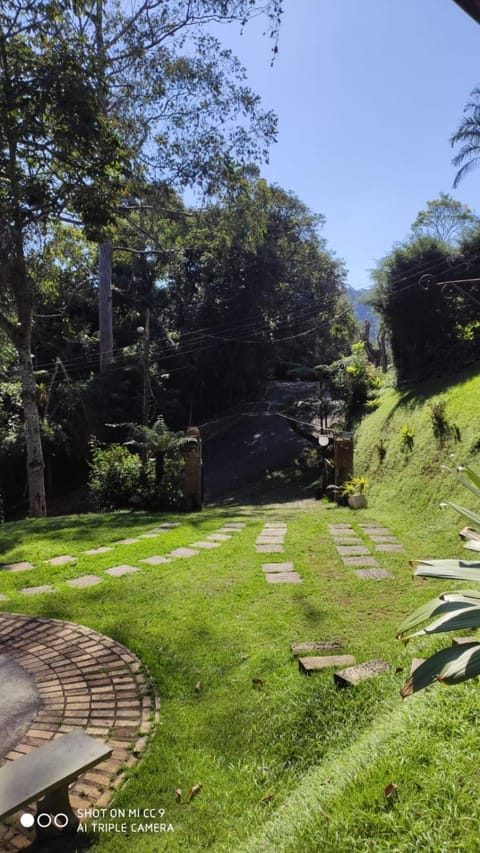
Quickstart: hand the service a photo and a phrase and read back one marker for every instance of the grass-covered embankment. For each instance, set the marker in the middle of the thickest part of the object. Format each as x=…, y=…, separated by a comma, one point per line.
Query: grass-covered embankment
x=289, y=763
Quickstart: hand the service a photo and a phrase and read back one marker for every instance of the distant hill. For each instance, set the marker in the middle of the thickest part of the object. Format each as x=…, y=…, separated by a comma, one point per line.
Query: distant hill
x=363, y=312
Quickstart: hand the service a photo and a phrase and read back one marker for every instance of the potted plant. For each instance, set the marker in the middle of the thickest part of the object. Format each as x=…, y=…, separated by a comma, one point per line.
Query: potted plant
x=355, y=490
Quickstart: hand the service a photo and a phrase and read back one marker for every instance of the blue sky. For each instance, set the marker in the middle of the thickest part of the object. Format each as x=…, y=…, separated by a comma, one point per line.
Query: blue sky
x=368, y=93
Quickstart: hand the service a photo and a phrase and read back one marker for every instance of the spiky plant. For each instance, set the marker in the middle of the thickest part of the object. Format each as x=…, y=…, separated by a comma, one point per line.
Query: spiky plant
x=450, y=611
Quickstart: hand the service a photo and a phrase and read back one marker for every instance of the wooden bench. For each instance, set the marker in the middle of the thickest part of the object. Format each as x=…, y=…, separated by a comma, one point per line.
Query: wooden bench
x=47, y=772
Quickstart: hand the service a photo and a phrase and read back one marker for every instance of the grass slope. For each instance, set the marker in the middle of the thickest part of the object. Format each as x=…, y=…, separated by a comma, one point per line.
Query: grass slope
x=291, y=764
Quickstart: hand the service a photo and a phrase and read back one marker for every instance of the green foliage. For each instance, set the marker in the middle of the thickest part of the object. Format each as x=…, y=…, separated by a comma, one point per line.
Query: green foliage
x=116, y=478
x=119, y=479
x=355, y=486
x=355, y=381
x=457, y=611
x=445, y=219
x=407, y=438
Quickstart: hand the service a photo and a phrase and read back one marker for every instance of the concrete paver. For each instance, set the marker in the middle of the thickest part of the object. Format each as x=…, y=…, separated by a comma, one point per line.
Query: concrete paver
x=17, y=567
x=85, y=580
x=156, y=560
x=283, y=577
x=35, y=590
x=62, y=560
x=118, y=571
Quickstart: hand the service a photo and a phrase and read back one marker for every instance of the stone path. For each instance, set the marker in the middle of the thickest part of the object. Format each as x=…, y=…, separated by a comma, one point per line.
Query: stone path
x=213, y=540
x=271, y=541
x=359, y=544
x=84, y=681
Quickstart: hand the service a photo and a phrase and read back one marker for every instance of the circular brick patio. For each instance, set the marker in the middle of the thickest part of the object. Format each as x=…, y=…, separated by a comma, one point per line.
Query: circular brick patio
x=85, y=681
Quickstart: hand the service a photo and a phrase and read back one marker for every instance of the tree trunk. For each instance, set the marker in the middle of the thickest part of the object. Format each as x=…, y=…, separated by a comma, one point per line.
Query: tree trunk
x=105, y=305
x=33, y=439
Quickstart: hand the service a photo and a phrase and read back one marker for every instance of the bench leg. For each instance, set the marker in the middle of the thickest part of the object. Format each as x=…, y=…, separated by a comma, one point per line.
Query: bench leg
x=56, y=804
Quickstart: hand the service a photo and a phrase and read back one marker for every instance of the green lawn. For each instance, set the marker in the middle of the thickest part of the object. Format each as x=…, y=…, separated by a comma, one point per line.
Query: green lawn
x=292, y=763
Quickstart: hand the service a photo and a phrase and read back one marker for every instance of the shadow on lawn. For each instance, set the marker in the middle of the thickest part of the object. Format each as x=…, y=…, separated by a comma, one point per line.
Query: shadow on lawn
x=77, y=528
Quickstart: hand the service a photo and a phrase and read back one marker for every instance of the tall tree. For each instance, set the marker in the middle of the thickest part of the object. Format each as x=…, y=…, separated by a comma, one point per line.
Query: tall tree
x=57, y=152
x=467, y=136
x=446, y=219
x=180, y=99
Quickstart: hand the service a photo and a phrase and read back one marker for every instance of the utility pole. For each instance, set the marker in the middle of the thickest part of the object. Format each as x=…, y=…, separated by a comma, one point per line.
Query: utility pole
x=146, y=366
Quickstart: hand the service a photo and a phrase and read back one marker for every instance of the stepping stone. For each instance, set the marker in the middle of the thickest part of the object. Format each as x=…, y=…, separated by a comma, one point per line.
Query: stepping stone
x=277, y=567
x=85, y=580
x=373, y=574
x=355, y=674
x=183, y=552
x=17, y=567
x=359, y=561
x=102, y=550
x=463, y=641
x=148, y=535
x=269, y=540
x=351, y=540
x=155, y=561
x=218, y=537
x=118, y=571
x=61, y=561
x=33, y=590
x=3, y=597
x=126, y=541
x=206, y=544
x=340, y=528
x=389, y=547
x=229, y=530
x=234, y=525
x=269, y=549
x=384, y=538
x=168, y=525
x=275, y=525
x=284, y=577
x=351, y=550
x=329, y=646
x=308, y=665
x=377, y=531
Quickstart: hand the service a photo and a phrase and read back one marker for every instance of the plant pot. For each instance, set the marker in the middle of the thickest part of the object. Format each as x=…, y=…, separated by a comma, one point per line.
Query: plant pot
x=357, y=501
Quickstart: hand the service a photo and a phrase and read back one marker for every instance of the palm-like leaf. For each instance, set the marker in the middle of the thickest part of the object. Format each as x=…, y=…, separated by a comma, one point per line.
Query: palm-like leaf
x=447, y=602
x=468, y=136
x=463, y=570
x=462, y=616
x=449, y=666
x=467, y=513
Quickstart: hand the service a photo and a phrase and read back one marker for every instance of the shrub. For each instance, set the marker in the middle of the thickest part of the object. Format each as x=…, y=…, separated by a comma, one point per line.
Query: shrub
x=407, y=437
x=115, y=480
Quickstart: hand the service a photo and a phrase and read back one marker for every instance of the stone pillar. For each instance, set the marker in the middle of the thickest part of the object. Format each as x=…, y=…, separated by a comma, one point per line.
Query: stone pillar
x=192, y=478
x=343, y=458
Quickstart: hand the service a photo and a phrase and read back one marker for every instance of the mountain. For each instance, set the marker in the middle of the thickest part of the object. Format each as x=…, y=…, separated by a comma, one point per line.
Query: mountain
x=363, y=312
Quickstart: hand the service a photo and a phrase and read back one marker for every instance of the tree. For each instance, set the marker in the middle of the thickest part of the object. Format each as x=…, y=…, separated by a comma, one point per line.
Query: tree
x=57, y=153
x=445, y=219
x=179, y=98
x=468, y=136
x=421, y=325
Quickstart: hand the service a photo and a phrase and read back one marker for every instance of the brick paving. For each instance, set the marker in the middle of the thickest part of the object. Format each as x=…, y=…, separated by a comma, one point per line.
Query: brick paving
x=87, y=682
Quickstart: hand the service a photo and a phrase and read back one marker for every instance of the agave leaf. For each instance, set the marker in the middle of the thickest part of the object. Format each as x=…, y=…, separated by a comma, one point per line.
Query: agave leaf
x=450, y=666
x=474, y=485
x=463, y=616
x=472, y=545
x=472, y=516
x=445, y=603
x=464, y=570
x=473, y=476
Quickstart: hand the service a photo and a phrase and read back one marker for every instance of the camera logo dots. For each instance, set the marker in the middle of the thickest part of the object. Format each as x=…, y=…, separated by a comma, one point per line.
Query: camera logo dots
x=44, y=820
